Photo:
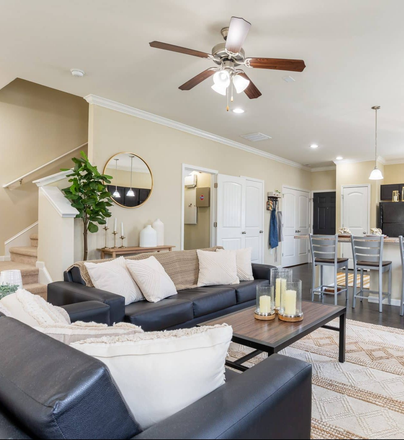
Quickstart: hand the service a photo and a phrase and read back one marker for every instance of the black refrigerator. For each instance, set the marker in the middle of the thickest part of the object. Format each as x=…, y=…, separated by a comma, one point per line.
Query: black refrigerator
x=392, y=218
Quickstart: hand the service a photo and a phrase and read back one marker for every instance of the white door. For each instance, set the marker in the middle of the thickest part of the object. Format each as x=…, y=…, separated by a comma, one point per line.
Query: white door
x=296, y=221
x=355, y=213
x=240, y=215
x=254, y=219
x=231, y=212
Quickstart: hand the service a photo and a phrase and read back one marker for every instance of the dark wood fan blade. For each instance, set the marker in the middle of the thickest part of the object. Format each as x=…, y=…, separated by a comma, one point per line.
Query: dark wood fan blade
x=251, y=91
x=198, y=79
x=238, y=31
x=178, y=49
x=277, y=64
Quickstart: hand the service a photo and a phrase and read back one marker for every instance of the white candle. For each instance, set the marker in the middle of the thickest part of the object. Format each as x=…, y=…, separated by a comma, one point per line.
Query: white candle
x=106, y=223
x=265, y=305
x=289, y=302
x=280, y=290
x=116, y=225
x=122, y=230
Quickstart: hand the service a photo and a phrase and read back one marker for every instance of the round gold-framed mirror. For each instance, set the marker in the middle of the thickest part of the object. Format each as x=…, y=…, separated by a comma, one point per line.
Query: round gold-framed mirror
x=132, y=180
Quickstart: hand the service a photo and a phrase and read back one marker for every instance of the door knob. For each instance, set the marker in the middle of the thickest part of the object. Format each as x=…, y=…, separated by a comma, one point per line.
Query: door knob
x=244, y=233
x=261, y=232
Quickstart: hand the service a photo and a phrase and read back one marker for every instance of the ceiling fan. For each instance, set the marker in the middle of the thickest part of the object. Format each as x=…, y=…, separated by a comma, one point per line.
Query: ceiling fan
x=230, y=56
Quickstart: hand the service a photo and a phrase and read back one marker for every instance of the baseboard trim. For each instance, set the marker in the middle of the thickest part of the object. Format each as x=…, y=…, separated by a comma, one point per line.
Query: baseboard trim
x=44, y=275
x=374, y=299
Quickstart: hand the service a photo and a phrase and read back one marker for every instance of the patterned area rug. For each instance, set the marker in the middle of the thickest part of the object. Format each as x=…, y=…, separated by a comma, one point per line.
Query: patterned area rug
x=363, y=398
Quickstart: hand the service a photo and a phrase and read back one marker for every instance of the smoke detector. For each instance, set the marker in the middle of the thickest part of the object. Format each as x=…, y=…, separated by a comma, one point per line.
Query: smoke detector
x=77, y=73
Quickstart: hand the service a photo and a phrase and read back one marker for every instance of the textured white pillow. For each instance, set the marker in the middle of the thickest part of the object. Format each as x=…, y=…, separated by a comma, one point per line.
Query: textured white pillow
x=244, y=265
x=152, y=279
x=80, y=331
x=33, y=310
x=161, y=373
x=4, y=311
x=217, y=268
x=114, y=277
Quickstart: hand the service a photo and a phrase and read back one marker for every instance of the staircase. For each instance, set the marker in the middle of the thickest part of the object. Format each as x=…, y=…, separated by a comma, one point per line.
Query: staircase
x=24, y=259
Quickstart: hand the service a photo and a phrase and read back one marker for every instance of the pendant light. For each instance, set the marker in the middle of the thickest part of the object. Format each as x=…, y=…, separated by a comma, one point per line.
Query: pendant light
x=131, y=193
x=116, y=194
x=376, y=174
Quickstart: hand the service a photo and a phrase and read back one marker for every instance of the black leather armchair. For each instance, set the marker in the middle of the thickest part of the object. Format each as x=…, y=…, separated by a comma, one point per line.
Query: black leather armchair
x=66, y=394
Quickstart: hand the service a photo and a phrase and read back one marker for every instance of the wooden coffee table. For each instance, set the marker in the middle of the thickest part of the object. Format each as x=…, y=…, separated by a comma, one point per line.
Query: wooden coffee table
x=273, y=336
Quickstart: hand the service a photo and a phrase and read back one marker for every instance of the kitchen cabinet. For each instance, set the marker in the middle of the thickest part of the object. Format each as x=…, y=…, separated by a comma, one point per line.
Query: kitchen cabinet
x=386, y=191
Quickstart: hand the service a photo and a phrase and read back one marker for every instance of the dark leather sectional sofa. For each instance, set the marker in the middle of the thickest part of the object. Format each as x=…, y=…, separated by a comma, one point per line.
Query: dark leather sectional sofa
x=187, y=309
x=51, y=391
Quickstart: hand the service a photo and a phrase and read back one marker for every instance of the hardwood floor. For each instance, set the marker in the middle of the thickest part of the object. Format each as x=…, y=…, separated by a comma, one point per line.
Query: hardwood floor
x=364, y=312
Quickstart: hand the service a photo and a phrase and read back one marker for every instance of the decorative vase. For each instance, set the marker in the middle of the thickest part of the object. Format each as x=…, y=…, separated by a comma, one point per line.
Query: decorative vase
x=148, y=237
x=158, y=226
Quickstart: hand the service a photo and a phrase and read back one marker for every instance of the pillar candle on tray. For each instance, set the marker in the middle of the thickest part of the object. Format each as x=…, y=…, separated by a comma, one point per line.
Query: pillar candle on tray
x=280, y=290
x=265, y=305
x=289, y=303
x=122, y=230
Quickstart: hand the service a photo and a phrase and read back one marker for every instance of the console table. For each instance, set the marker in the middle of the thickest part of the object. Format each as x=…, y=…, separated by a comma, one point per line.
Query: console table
x=117, y=252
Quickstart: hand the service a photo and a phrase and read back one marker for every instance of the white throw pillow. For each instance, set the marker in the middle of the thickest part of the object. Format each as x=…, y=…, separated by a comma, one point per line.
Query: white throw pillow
x=79, y=331
x=217, y=268
x=152, y=279
x=244, y=265
x=5, y=312
x=114, y=277
x=161, y=373
x=33, y=310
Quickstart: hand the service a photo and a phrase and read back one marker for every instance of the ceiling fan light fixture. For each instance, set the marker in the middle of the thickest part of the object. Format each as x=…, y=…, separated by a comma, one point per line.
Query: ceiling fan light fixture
x=222, y=78
x=219, y=89
x=240, y=83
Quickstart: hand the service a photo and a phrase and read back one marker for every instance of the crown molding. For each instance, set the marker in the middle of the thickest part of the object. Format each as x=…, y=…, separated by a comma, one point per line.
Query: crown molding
x=319, y=169
x=141, y=114
x=394, y=162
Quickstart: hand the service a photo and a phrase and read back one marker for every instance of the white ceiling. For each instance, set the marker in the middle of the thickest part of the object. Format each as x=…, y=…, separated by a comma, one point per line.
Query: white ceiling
x=353, y=50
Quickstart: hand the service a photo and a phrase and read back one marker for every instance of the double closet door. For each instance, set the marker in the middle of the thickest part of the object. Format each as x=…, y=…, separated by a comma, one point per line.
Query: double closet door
x=240, y=214
x=296, y=221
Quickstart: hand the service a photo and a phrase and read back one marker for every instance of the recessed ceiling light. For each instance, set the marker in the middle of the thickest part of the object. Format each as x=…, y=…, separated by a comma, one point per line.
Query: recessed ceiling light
x=340, y=158
x=78, y=73
x=238, y=111
x=314, y=146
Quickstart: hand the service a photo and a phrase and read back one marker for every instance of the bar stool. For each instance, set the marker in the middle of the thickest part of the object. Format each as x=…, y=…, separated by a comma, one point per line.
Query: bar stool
x=402, y=266
x=324, y=252
x=368, y=255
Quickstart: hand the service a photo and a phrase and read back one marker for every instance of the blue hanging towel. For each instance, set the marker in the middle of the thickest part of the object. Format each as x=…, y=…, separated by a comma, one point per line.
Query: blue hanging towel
x=273, y=231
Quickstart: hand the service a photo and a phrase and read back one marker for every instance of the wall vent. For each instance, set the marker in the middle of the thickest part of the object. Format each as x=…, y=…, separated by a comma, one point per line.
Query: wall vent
x=256, y=137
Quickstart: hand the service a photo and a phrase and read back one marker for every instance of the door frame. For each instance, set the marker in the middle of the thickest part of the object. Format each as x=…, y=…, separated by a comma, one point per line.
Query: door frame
x=186, y=170
x=309, y=192
x=312, y=204
x=263, y=214
x=366, y=185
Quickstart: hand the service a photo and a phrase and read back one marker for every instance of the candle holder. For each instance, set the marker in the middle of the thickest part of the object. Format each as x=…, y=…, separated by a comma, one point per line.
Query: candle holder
x=291, y=303
x=115, y=234
x=279, y=279
x=122, y=237
x=106, y=229
x=265, y=310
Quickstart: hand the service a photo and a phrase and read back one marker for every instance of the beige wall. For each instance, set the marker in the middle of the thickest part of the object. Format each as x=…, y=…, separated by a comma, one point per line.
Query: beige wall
x=324, y=180
x=165, y=150
x=38, y=124
x=198, y=236
x=393, y=174
x=358, y=174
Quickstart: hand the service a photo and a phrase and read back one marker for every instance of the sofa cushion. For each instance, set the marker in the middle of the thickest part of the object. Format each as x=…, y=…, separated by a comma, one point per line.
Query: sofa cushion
x=207, y=300
x=181, y=266
x=155, y=317
x=247, y=290
x=55, y=392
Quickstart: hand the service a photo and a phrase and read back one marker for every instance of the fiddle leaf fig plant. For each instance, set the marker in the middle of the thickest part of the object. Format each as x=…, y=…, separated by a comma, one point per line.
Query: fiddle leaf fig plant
x=88, y=193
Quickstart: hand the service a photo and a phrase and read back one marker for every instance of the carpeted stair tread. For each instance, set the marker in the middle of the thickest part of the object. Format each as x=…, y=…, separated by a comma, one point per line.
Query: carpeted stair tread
x=28, y=251
x=26, y=269
x=34, y=236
